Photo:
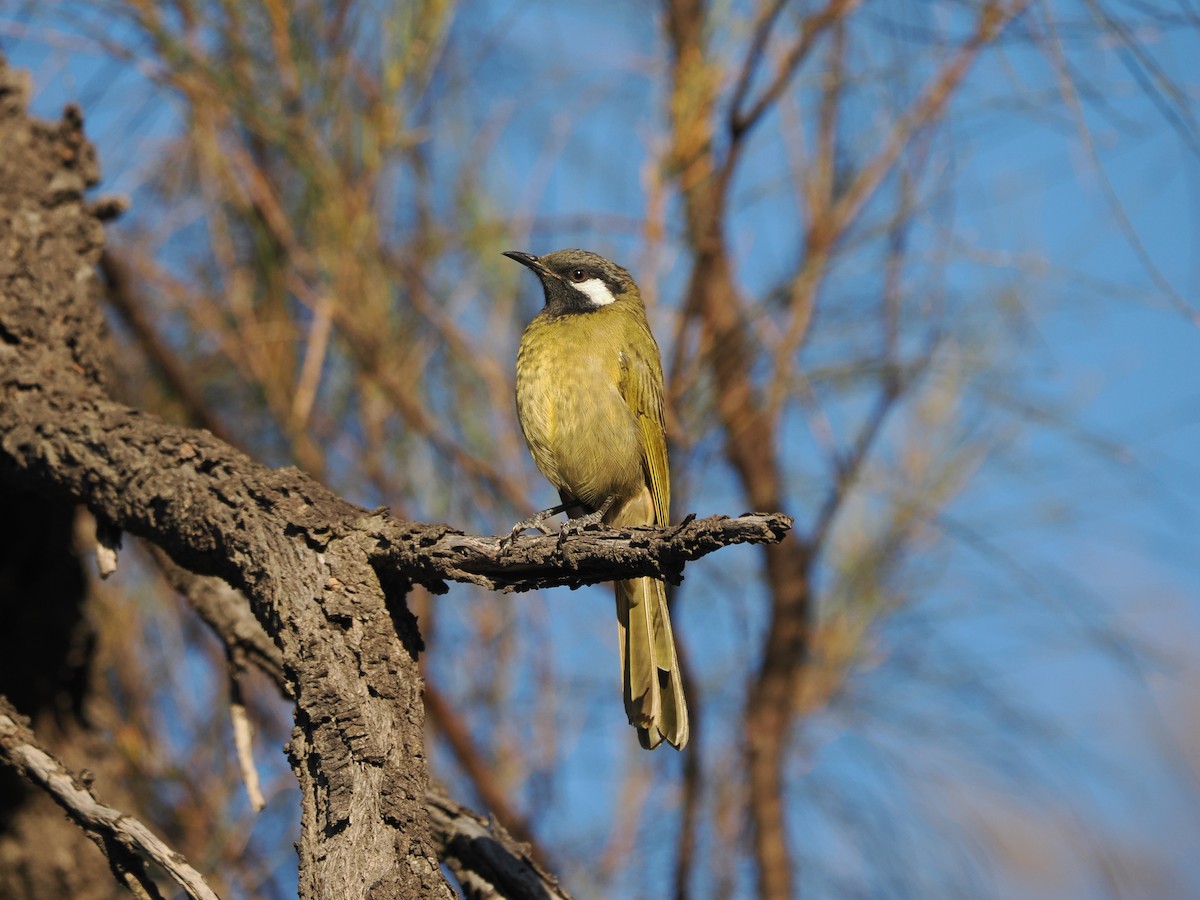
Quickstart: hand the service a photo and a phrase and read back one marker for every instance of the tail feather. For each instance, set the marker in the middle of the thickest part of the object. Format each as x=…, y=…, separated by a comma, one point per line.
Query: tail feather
x=654, y=700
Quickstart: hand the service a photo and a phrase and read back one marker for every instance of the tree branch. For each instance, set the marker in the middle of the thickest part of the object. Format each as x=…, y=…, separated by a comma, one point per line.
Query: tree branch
x=570, y=560
x=124, y=840
x=485, y=859
x=750, y=433
x=741, y=120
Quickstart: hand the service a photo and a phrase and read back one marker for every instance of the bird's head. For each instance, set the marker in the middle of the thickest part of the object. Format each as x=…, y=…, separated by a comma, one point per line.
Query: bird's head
x=576, y=281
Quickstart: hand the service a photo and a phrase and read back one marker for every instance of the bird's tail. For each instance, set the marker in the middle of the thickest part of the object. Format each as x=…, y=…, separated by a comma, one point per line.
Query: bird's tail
x=650, y=670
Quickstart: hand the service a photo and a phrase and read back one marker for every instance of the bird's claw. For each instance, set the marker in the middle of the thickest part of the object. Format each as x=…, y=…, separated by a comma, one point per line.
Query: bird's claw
x=580, y=524
x=536, y=521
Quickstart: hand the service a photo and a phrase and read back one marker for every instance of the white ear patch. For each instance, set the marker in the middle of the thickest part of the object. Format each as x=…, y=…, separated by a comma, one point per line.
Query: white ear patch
x=597, y=292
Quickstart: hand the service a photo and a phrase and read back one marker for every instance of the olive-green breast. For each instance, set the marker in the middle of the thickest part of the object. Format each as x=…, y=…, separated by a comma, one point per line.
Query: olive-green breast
x=580, y=430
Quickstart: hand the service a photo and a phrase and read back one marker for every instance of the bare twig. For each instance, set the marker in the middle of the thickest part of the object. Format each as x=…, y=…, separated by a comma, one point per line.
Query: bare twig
x=927, y=109
x=124, y=840
x=243, y=730
x=742, y=120
x=850, y=465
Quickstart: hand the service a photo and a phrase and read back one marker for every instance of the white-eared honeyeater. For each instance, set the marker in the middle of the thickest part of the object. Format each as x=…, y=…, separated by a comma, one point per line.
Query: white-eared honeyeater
x=590, y=403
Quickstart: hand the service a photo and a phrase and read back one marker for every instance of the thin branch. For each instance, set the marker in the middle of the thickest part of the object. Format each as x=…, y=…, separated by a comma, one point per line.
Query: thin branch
x=850, y=465
x=227, y=612
x=741, y=121
x=892, y=382
x=243, y=729
x=928, y=108
x=1071, y=98
x=820, y=238
x=124, y=840
x=397, y=386
x=438, y=553
x=755, y=54
x=124, y=299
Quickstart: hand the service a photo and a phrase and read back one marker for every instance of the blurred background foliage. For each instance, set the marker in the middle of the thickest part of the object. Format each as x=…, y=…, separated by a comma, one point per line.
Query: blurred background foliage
x=923, y=277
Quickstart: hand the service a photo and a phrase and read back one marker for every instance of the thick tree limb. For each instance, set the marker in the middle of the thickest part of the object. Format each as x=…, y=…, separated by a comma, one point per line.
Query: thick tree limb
x=123, y=840
x=296, y=550
x=301, y=556
x=455, y=828
x=82, y=443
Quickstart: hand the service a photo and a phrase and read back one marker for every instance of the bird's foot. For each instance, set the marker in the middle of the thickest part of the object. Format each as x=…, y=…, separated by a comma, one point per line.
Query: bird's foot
x=582, y=523
x=536, y=521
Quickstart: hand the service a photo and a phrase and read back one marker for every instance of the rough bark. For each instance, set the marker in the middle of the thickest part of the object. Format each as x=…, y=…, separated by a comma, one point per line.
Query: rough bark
x=439, y=553
x=46, y=637
x=298, y=552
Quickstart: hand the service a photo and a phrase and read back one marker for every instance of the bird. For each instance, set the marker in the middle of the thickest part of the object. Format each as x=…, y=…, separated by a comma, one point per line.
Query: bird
x=589, y=396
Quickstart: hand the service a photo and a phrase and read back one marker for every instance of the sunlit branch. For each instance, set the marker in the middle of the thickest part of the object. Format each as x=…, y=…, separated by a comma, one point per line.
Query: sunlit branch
x=124, y=840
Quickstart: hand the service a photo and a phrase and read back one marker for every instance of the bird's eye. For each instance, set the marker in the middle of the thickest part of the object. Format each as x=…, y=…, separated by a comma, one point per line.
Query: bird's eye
x=578, y=275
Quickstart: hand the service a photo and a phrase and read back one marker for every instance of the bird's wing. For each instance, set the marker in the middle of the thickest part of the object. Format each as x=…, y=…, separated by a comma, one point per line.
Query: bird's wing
x=642, y=388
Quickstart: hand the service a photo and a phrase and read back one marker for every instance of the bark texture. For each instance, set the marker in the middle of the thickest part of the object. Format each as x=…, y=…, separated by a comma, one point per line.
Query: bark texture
x=47, y=239
x=297, y=552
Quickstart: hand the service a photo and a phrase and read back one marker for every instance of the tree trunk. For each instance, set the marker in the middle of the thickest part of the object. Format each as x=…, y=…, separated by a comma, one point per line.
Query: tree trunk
x=299, y=553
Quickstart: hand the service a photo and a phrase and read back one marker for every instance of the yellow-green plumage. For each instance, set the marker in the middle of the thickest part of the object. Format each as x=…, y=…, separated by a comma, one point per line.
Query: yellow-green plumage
x=590, y=403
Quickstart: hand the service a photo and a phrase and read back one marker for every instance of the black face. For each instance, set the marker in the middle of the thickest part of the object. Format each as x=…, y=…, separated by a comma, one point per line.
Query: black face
x=576, y=281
